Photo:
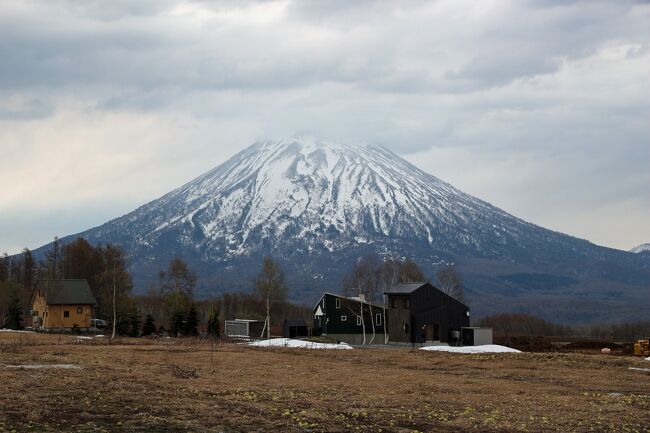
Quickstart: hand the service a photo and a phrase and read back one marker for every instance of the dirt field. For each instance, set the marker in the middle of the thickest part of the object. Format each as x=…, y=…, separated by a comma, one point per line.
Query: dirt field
x=155, y=386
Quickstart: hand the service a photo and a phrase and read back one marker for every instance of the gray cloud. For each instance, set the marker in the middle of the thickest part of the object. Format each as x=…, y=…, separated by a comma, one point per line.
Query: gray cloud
x=515, y=102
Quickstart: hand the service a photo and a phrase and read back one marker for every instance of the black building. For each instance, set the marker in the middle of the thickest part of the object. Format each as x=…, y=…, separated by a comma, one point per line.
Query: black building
x=294, y=328
x=340, y=318
x=420, y=312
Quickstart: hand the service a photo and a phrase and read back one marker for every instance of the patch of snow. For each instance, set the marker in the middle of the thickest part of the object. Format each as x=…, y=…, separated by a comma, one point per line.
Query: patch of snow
x=300, y=344
x=42, y=366
x=639, y=369
x=648, y=358
x=15, y=330
x=486, y=348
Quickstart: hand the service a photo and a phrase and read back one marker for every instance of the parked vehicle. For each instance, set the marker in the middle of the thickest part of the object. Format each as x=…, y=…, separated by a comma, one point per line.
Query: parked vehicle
x=98, y=323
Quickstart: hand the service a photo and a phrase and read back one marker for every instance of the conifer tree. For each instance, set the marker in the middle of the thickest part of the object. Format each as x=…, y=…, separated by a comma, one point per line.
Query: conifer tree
x=192, y=322
x=149, y=326
x=14, y=313
x=134, y=322
x=176, y=324
x=214, y=329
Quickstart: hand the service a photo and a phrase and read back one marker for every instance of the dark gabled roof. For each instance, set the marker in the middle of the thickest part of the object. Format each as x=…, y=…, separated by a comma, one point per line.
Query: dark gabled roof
x=294, y=322
x=404, y=288
x=75, y=292
x=349, y=298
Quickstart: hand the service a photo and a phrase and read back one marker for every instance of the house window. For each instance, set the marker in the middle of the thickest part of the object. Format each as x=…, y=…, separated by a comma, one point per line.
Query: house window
x=323, y=301
x=80, y=310
x=378, y=319
x=358, y=320
x=344, y=318
x=407, y=303
x=338, y=303
x=66, y=314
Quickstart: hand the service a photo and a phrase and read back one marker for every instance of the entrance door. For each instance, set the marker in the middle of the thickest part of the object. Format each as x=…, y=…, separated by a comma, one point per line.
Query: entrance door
x=428, y=331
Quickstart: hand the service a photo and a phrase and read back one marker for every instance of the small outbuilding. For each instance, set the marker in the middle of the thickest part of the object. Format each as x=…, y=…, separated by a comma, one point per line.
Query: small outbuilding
x=294, y=328
x=244, y=328
x=476, y=336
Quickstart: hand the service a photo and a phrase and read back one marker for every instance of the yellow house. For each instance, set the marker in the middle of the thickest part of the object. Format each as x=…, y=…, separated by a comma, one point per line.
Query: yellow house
x=62, y=304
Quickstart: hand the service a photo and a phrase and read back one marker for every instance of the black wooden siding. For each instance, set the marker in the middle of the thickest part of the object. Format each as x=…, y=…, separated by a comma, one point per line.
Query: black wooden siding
x=428, y=307
x=331, y=322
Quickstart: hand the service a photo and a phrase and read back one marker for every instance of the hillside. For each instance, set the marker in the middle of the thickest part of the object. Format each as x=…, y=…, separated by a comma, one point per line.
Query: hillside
x=318, y=205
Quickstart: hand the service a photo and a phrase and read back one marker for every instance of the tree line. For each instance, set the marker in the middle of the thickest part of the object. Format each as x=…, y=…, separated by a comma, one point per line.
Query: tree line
x=521, y=324
x=169, y=305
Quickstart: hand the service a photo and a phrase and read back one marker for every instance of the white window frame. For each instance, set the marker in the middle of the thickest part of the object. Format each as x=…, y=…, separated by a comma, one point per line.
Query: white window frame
x=338, y=303
x=378, y=319
x=344, y=318
x=358, y=320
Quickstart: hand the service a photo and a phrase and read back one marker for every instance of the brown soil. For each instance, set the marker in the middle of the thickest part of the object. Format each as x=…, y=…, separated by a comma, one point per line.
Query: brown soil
x=181, y=385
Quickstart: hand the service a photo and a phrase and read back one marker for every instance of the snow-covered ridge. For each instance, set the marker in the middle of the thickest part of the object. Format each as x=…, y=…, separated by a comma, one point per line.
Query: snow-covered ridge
x=641, y=248
x=325, y=195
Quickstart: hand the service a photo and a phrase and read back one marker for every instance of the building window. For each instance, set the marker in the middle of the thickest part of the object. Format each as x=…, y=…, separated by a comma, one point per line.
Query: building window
x=323, y=301
x=338, y=303
x=378, y=319
x=358, y=320
x=80, y=310
x=66, y=314
x=344, y=318
x=407, y=303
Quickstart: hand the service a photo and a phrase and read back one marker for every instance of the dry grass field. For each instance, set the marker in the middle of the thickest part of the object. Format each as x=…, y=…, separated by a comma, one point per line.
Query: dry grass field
x=182, y=385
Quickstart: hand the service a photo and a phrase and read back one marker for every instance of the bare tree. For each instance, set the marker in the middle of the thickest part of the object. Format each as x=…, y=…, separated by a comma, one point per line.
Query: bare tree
x=271, y=286
x=450, y=282
x=364, y=283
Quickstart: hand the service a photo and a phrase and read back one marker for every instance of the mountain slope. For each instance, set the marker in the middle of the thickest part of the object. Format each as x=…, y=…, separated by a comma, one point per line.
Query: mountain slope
x=641, y=248
x=318, y=205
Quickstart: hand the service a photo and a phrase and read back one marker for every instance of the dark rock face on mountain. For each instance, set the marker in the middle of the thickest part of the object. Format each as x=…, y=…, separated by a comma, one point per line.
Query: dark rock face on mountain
x=317, y=206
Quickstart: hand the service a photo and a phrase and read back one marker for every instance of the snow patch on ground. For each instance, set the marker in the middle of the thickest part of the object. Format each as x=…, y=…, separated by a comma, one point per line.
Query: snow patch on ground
x=14, y=330
x=42, y=366
x=648, y=358
x=301, y=344
x=487, y=348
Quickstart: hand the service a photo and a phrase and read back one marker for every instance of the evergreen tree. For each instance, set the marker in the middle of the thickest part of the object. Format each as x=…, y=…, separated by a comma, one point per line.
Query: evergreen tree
x=29, y=265
x=134, y=322
x=4, y=267
x=149, y=326
x=176, y=324
x=14, y=313
x=214, y=329
x=192, y=322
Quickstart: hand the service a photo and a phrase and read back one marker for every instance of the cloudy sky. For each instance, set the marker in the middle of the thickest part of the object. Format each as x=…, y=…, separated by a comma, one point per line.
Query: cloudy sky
x=540, y=107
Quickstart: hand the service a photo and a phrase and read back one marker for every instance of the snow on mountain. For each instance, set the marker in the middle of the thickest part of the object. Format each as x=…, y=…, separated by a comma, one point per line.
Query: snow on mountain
x=324, y=194
x=317, y=205
x=641, y=248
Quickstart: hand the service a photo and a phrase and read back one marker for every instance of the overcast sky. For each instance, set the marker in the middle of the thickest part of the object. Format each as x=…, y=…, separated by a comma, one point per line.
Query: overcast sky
x=539, y=107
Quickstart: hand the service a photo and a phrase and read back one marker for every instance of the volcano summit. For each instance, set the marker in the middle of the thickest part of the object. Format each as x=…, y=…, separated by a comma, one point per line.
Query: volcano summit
x=317, y=205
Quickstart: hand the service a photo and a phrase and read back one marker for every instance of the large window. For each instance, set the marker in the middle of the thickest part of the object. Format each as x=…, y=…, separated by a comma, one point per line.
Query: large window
x=66, y=314
x=338, y=303
x=378, y=319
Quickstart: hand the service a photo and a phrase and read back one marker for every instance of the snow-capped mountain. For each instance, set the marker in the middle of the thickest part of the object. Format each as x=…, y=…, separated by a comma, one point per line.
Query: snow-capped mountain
x=318, y=205
x=641, y=248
